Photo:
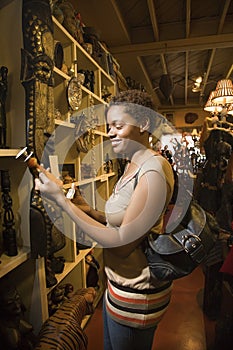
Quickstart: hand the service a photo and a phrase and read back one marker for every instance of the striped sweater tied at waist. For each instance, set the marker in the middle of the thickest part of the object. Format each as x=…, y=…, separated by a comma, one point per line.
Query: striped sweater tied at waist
x=137, y=308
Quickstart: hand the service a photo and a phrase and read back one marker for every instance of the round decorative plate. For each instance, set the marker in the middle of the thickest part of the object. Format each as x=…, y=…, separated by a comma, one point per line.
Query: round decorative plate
x=74, y=94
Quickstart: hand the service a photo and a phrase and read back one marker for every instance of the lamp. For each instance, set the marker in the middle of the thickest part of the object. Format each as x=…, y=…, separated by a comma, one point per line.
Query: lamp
x=220, y=100
x=197, y=84
x=210, y=106
x=223, y=92
x=230, y=110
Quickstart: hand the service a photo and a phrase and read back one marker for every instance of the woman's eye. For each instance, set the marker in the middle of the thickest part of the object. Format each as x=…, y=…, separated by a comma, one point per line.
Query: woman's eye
x=116, y=126
x=119, y=126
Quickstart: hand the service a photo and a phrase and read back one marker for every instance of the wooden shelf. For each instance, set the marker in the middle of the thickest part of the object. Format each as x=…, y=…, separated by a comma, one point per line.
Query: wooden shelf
x=32, y=282
x=64, y=123
x=67, y=124
x=80, y=48
x=100, y=178
x=61, y=73
x=69, y=266
x=9, y=263
x=9, y=152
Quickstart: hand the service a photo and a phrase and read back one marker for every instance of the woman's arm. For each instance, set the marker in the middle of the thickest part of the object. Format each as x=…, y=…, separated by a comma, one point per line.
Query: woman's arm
x=82, y=204
x=145, y=207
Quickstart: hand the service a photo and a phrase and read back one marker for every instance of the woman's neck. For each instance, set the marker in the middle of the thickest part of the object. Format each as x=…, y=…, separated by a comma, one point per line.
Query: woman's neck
x=141, y=155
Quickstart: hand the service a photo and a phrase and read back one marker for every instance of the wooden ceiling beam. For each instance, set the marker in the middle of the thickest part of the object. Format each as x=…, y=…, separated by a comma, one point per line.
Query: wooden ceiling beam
x=188, y=17
x=154, y=22
x=121, y=20
x=151, y=7
x=150, y=85
x=229, y=72
x=178, y=45
x=186, y=77
x=223, y=16
x=220, y=27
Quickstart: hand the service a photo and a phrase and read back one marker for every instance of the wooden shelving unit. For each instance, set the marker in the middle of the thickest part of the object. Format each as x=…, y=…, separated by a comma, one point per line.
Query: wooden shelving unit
x=26, y=273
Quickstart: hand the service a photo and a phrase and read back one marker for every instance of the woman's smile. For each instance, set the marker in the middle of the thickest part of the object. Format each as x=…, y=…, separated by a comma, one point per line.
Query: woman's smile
x=115, y=142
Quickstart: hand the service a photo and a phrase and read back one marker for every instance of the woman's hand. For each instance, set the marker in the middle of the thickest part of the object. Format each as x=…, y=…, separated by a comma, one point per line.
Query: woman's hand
x=49, y=175
x=50, y=186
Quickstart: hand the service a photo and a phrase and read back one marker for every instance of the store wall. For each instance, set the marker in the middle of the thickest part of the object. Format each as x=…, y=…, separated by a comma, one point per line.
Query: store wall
x=178, y=118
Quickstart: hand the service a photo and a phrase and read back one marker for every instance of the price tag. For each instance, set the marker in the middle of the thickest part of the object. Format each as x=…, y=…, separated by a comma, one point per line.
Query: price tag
x=71, y=192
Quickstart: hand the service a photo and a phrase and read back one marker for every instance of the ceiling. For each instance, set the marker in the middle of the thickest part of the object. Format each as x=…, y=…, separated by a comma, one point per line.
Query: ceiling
x=177, y=39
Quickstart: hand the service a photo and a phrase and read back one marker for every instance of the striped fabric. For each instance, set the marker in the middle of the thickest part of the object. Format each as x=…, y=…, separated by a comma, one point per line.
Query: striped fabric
x=135, y=308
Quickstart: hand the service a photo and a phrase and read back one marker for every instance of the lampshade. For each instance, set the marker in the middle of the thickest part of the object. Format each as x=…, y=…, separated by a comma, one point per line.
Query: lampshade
x=210, y=106
x=223, y=92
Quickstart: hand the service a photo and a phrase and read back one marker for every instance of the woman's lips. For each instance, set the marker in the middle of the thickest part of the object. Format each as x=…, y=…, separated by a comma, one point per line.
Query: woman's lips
x=115, y=142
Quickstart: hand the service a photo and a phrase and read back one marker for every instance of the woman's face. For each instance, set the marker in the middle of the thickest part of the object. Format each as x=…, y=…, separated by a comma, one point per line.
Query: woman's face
x=124, y=131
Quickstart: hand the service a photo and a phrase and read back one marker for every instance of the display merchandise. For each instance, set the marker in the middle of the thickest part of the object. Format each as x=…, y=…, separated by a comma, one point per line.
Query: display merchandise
x=15, y=331
x=3, y=96
x=68, y=333
x=47, y=251
x=9, y=232
x=74, y=93
x=46, y=238
x=37, y=73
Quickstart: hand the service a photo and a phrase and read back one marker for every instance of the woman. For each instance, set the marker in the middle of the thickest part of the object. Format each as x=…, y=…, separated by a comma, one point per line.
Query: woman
x=134, y=301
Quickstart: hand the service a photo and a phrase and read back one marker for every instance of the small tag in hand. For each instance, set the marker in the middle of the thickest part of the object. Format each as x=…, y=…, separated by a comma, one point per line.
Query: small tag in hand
x=70, y=194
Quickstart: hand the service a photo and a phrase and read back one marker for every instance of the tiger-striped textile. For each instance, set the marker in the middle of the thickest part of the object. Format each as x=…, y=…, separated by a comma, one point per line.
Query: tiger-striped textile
x=62, y=330
x=137, y=308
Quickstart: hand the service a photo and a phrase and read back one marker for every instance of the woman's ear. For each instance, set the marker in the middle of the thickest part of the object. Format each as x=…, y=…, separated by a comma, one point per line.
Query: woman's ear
x=145, y=124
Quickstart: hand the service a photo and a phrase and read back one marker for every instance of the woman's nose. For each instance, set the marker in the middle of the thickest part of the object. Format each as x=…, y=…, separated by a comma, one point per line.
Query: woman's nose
x=111, y=132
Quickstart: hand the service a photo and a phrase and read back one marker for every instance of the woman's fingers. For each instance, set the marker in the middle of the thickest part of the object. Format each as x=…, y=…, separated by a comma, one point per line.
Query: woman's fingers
x=43, y=177
x=37, y=184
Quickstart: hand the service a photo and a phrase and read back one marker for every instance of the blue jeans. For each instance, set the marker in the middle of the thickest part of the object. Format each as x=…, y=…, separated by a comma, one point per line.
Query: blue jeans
x=121, y=337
